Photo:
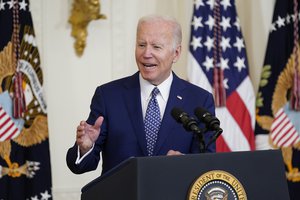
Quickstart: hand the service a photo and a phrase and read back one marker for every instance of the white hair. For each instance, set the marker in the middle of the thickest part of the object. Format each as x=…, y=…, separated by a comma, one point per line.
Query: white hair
x=177, y=32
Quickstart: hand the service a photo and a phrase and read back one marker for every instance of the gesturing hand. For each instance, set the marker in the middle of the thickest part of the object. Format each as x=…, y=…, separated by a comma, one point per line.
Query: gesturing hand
x=87, y=134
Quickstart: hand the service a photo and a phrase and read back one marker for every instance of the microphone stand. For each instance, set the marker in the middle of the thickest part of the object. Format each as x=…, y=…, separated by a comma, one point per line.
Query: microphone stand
x=198, y=133
x=218, y=132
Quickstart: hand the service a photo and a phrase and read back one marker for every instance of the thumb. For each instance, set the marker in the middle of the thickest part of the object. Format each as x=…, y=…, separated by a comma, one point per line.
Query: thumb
x=98, y=122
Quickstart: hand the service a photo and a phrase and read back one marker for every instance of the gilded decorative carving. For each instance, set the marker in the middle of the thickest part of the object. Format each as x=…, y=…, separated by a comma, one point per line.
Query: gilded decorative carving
x=83, y=12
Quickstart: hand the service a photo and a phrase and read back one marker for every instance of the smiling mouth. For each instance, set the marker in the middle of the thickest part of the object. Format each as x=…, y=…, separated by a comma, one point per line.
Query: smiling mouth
x=147, y=65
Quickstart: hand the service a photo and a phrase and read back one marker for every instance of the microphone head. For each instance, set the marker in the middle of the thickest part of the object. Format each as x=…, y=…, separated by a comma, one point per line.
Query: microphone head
x=177, y=114
x=203, y=115
x=211, y=122
x=189, y=123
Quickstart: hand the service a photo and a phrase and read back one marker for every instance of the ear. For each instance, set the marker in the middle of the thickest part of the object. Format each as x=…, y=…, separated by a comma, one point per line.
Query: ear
x=177, y=53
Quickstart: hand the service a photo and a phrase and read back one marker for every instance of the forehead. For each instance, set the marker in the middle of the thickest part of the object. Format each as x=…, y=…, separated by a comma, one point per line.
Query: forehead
x=155, y=30
x=158, y=25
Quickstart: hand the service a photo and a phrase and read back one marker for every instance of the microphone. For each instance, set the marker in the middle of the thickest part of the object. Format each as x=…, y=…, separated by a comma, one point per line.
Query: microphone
x=189, y=123
x=211, y=122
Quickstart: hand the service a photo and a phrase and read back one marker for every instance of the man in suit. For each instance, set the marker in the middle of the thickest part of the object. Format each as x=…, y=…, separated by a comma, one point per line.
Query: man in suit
x=118, y=123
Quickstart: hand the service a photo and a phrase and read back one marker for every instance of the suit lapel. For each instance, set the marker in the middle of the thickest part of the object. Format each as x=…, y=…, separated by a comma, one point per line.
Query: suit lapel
x=175, y=99
x=135, y=110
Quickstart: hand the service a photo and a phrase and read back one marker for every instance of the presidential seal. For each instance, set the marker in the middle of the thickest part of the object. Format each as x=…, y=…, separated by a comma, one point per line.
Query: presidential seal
x=217, y=185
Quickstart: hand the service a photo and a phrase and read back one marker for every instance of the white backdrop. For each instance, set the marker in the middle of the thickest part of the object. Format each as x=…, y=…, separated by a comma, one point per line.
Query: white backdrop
x=69, y=81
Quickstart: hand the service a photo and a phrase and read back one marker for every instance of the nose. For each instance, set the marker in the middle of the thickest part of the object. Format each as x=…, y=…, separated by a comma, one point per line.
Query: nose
x=147, y=52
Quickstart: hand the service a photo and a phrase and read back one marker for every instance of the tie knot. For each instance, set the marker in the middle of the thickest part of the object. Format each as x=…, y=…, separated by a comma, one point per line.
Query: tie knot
x=155, y=92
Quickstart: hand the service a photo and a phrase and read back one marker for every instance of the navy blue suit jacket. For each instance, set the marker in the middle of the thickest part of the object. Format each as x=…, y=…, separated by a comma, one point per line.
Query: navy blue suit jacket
x=122, y=132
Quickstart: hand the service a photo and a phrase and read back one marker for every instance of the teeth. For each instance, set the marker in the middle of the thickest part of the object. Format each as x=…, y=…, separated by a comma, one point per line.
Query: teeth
x=149, y=65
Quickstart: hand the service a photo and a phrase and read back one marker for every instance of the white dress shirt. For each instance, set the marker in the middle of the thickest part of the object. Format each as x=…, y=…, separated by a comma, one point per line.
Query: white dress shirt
x=162, y=97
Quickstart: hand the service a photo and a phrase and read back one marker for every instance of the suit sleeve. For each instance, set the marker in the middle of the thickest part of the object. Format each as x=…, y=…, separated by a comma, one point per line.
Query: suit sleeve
x=90, y=162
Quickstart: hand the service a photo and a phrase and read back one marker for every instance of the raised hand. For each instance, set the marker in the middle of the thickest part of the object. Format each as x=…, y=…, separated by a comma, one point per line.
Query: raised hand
x=87, y=134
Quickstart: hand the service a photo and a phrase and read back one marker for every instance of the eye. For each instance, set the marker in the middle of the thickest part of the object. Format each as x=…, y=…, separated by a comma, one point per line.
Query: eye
x=157, y=47
x=142, y=45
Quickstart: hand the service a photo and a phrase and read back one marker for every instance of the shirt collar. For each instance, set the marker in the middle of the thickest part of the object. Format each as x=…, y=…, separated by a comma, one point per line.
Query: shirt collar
x=164, y=87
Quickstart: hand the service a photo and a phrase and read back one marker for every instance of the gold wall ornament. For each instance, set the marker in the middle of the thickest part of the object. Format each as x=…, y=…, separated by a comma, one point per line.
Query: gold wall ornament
x=82, y=13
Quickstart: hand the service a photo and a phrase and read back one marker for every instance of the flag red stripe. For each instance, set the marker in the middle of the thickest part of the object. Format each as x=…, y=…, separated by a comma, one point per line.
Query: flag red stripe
x=4, y=123
x=278, y=118
x=6, y=130
x=9, y=131
x=279, y=132
x=221, y=145
x=287, y=140
x=12, y=134
x=277, y=124
x=284, y=135
x=239, y=112
x=2, y=115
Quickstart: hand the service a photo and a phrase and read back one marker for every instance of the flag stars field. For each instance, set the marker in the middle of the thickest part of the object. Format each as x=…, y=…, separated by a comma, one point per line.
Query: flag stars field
x=282, y=21
x=225, y=23
x=225, y=43
x=209, y=43
x=22, y=5
x=225, y=4
x=240, y=64
x=196, y=42
x=224, y=63
x=209, y=63
x=225, y=82
x=239, y=44
x=2, y=4
x=197, y=22
x=198, y=3
x=211, y=4
x=11, y=4
x=237, y=24
x=210, y=22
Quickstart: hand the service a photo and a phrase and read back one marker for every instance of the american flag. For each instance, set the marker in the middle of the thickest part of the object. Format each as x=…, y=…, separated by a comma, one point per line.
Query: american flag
x=217, y=54
x=8, y=129
x=283, y=131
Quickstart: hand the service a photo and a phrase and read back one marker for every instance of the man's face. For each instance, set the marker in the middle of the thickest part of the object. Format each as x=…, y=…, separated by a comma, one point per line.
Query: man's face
x=155, y=51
